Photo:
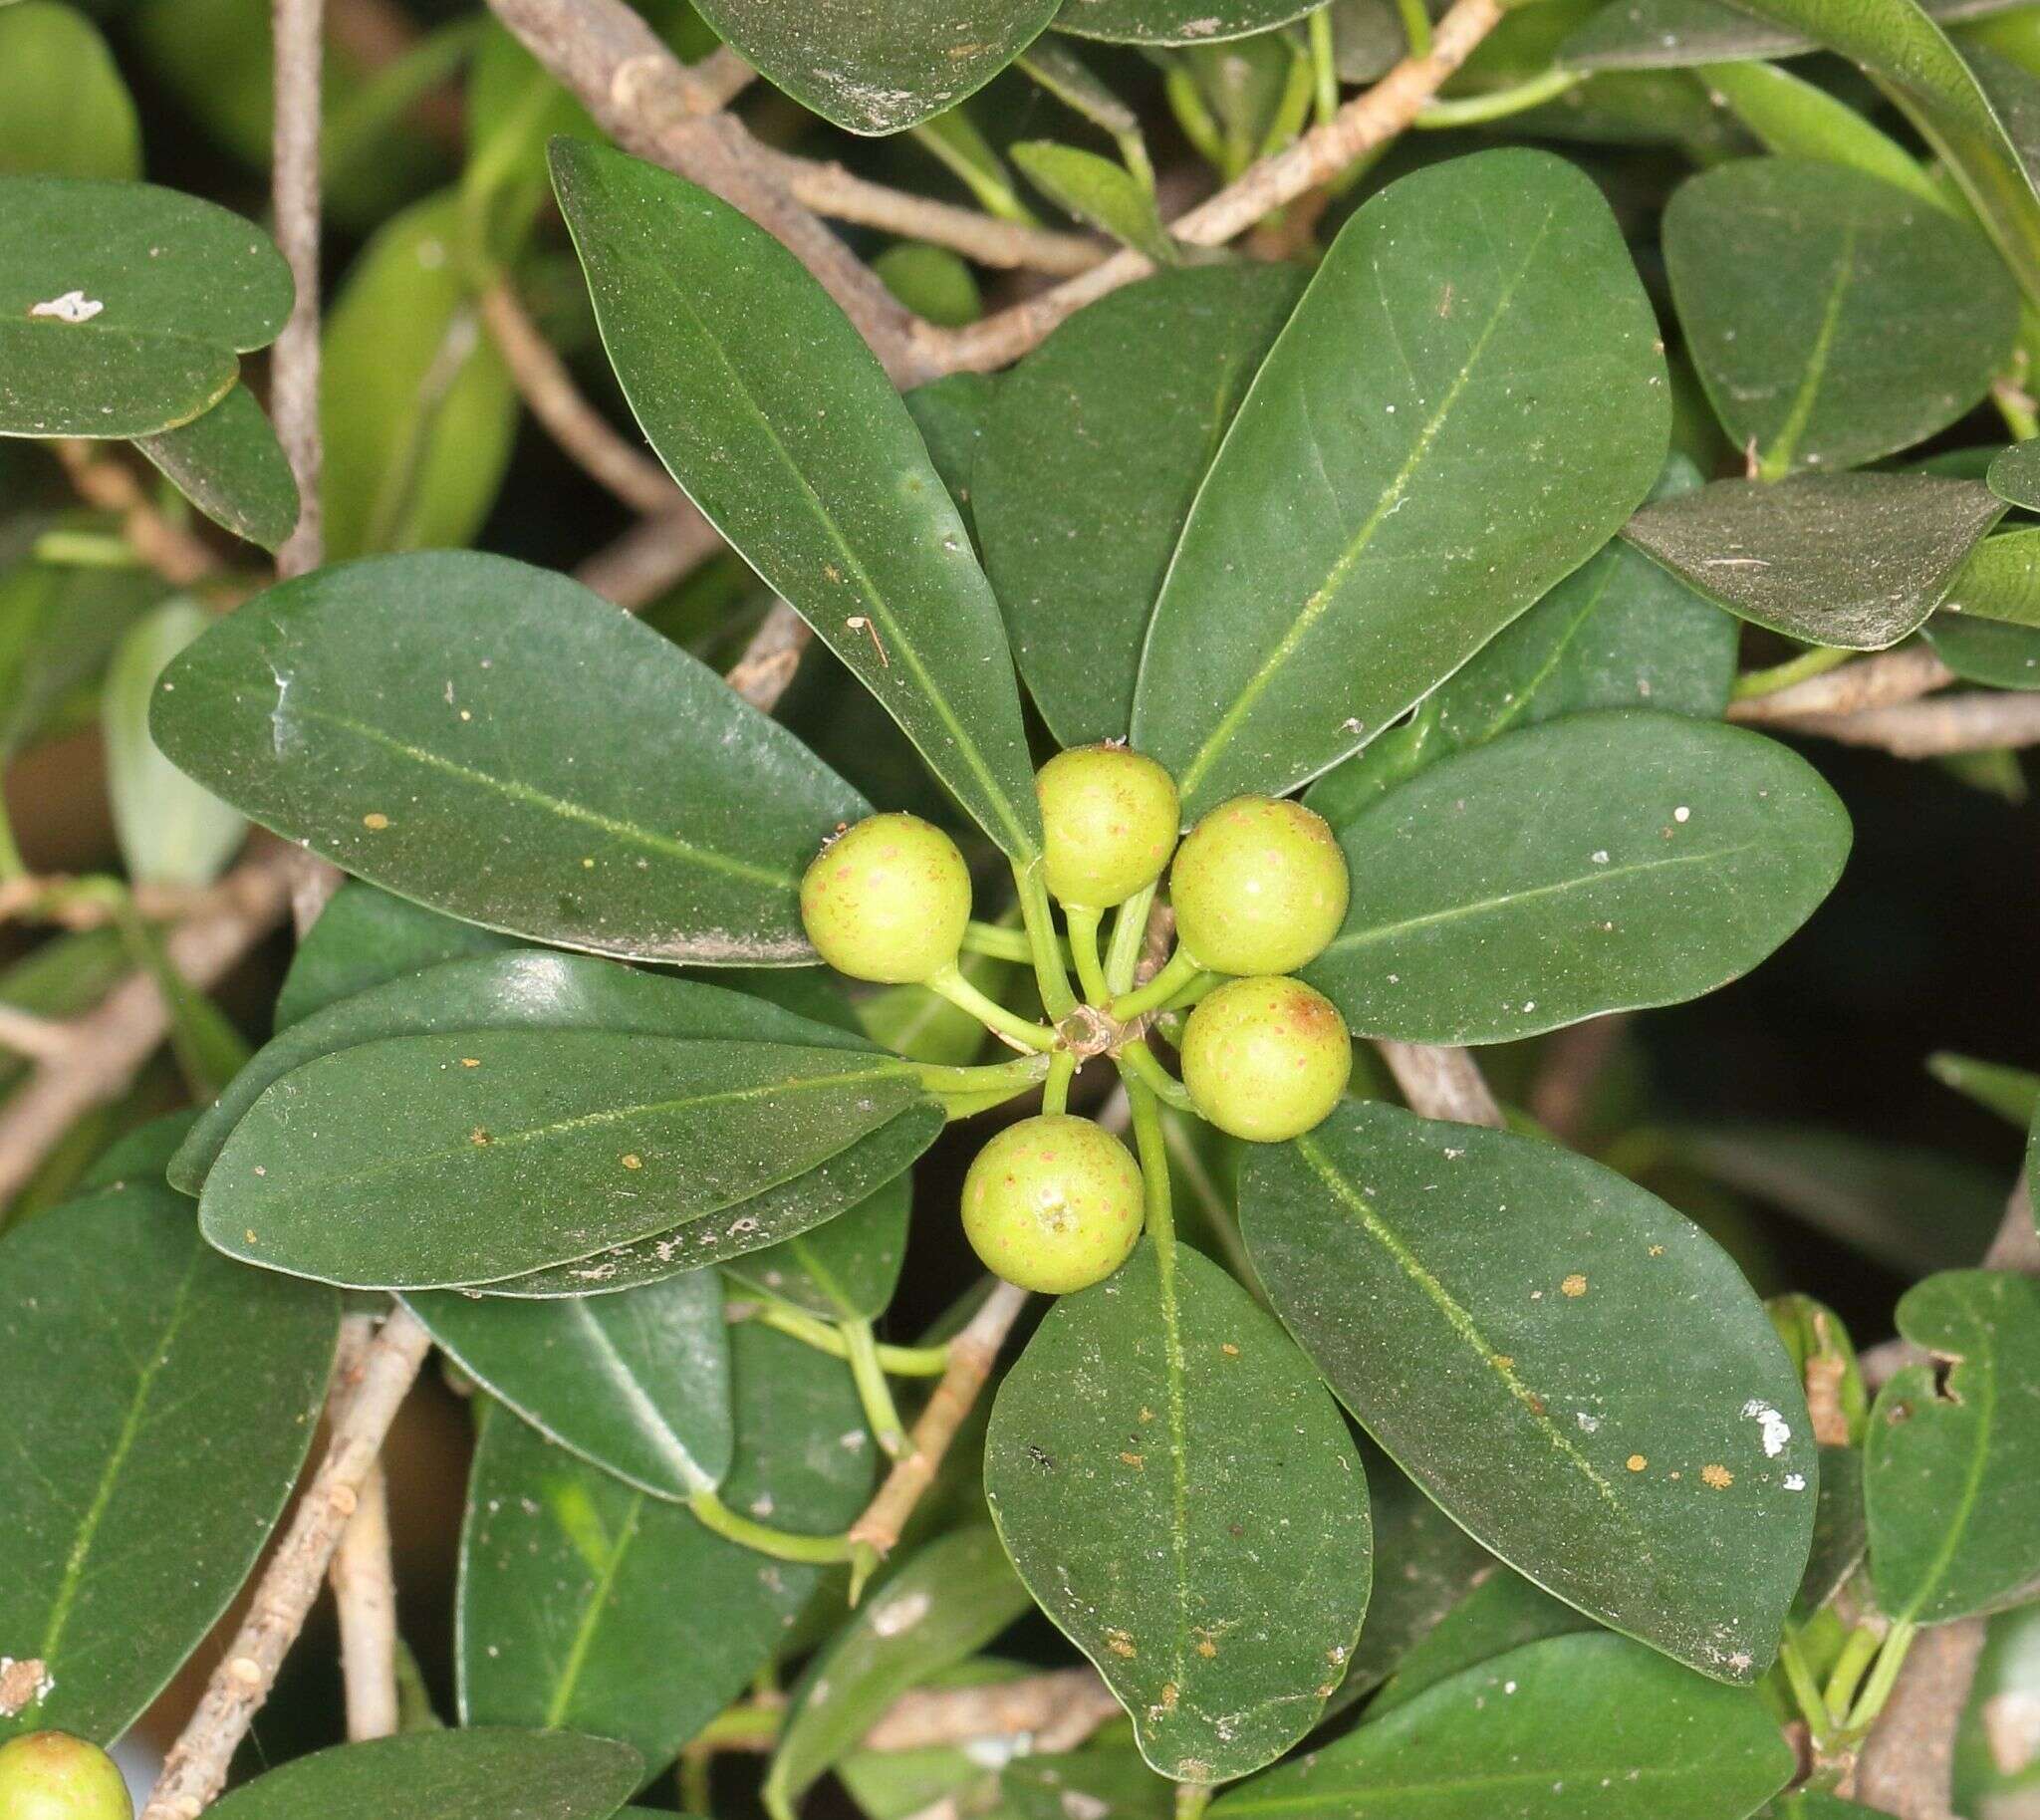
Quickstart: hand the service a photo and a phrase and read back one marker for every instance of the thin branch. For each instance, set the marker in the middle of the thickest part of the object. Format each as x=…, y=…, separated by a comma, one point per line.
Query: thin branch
x=930, y=1717
x=1441, y=1083
x=294, y=366
x=542, y=378
x=971, y=1356
x=1889, y=678
x=1907, y=1764
x=101, y=480
x=41, y=1039
x=363, y=1576
x=1982, y=721
x=762, y=674
x=650, y=558
x=196, y=1768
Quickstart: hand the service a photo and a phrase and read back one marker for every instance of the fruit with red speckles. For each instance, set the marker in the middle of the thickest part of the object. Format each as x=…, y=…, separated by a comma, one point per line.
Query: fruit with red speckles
x=887, y=900
x=1259, y=886
x=51, y=1775
x=1053, y=1204
x=1109, y=817
x=1266, y=1059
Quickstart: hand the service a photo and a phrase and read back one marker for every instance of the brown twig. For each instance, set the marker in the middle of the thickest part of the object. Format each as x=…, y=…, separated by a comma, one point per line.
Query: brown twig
x=650, y=558
x=972, y=1354
x=102, y=481
x=1948, y=724
x=41, y=1039
x=1907, y=1765
x=1881, y=681
x=543, y=383
x=1441, y=1083
x=361, y=1574
x=294, y=365
x=762, y=674
x=929, y=1717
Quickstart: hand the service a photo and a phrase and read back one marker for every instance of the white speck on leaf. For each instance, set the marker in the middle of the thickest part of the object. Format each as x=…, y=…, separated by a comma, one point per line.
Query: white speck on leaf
x=72, y=306
x=1777, y=1432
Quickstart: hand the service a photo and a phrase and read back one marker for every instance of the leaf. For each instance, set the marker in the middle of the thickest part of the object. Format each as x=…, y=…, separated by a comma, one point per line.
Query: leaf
x=520, y=990
x=448, y=1775
x=1397, y=487
x=943, y=1604
x=229, y=464
x=1997, y=1749
x=493, y=740
x=1094, y=448
x=1800, y=119
x=1986, y=651
x=1677, y=34
x=1054, y=1787
x=1576, y=1372
x=1175, y=21
x=1840, y=1533
x=874, y=70
x=1833, y=318
x=2015, y=475
x=1500, y=1613
x=637, y=1384
x=1619, y=632
x=844, y=1181
x=1948, y=1471
x=2001, y=580
x=64, y=110
x=1596, y=863
x=416, y=405
x=951, y=414
x=939, y=287
x=1856, y=561
x=2012, y=1093
x=795, y=447
x=366, y=937
x=140, y=1478
x=844, y=1271
x=171, y=830
x=417, y=1163
x=1102, y=195
x=1182, y=1498
x=58, y=628
x=583, y=1602
x=1573, y=1729
x=122, y=305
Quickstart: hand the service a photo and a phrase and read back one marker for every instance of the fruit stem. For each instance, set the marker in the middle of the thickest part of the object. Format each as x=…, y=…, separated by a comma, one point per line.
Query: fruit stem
x=780, y=1544
x=1182, y=971
x=1151, y=1142
x=1055, y=1091
x=861, y=1347
x=1056, y=997
x=997, y=942
x=1811, y=663
x=1858, y=1653
x=901, y=1361
x=1129, y=931
x=1084, y=949
x=1192, y=1798
x=1141, y=1063
x=989, y=1013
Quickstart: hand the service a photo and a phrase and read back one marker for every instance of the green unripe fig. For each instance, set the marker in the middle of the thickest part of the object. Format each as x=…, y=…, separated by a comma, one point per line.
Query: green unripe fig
x=1266, y=1059
x=887, y=900
x=1053, y=1204
x=51, y=1775
x=1110, y=818
x=1259, y=887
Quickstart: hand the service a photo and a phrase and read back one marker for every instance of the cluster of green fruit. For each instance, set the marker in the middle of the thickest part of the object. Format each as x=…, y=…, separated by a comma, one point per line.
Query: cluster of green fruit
x=51, y=1775
x=1258, y=887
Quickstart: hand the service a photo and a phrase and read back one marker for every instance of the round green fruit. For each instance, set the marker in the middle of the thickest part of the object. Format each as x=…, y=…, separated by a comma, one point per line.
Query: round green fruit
x=887, y=900
x=51, y=1775
x=1053, y=1204
x=1266, y=1059
x=1109, y=817
x=1259, y=887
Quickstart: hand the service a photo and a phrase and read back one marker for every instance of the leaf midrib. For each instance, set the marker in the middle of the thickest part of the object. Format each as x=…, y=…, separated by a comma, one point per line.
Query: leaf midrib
x=1777, y=460
x=1985, y=1409
x=1321, y=1803
x=645, y=1415
x=592, y=1616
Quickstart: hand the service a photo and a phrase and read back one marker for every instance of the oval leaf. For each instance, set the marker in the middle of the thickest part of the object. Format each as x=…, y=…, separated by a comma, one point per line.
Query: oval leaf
x=413, y=1164
x=1576, y=1372
x=1174, y=21
x=799, y=451
x=1856, y=561
x=366, y=937
x=1594, y=864
x=63, y=108
x=2015, y=475
x=1677, y=34
x=1948, y=1471
x=493, y=740
x=1094, y=448
x=844, y=1271
x=2000, y=581
x=1465, y=406
x=230, y=465
x=568, y=1605
x=1982, y=650
x=140, y=1478
x=1833, y=318
x=1182, y=1499
x=1572, y=1728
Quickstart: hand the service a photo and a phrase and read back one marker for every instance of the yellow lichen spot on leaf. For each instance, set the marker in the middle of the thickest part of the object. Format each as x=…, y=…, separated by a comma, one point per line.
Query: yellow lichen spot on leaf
x=477, y=1136
x=375, y=821
x=1206, y=1647
x=632, y=1160
x=1118, y=1643
x=1636, y=1462
x=1718, y=1477
x=1228, y=1349
x=1657, y=1250
x=470, y=1061
x=1574, y=1286
x=1134, y=1460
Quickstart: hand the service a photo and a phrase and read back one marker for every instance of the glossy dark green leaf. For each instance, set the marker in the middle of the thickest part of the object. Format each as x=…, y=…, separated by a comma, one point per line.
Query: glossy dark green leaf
x=795, y=446
x=1619, y=632
x=1798, y=118
x=64, y=110
x=1986, y=651
x=636, y=1383
x=442, y=1161
x=1839, y=1532
x=1813, y=1804
x=845, y=1180
x=1503, y=1611
x=493, y=740
x=1181, y=1497
x=1833, y=318
x=366, y=937
x=1677, y=34
x=1851, y=560
x=138, y=1157
x=1949, y=1470
x=2015, y=475
x=140, y=1478
x=523, y=990
x=448, y=1775
x=1592, y=864
x=1105, y=1781
x=1093, y=451
x=879, y=69
x=1576, y=1372
x=939, y=287
x=844, y=1271
x=1572, y=1728
x=1100, y=193
x=416, y=405
x=2001, y=580
x=1465, y=406
x=64, y=379
x=1174, y=21
x=230, y=465
x=583, y=1602
x=58, y=628
x=951, y=414
x=943, y=1604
